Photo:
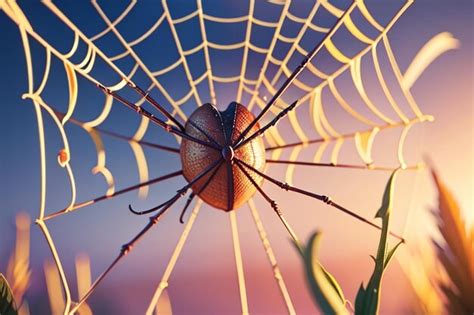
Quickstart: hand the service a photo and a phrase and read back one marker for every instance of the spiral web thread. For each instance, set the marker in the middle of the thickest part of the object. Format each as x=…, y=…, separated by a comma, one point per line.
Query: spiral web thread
x=250, y=89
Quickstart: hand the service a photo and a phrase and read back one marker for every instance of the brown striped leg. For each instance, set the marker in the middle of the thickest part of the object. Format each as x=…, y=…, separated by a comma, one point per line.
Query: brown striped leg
x=167, y=127
x=181, y=192
x=105, y=197
x=322, y=198
x=272, y=203
x=192, y=195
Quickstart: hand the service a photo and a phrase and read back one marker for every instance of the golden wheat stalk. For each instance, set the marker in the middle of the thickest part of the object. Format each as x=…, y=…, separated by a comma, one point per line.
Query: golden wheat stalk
x=18, y=269
x=455, y=253
x=441, y=271
x=53, y=285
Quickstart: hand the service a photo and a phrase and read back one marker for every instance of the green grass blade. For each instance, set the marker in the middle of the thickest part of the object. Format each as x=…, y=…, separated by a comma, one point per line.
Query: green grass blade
x=367, y=300
x=326, y=291
x=390, y=254
x=360, y=299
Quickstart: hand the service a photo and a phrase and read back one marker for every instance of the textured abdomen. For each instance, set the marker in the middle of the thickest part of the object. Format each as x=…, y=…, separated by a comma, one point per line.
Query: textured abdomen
x=229, y=188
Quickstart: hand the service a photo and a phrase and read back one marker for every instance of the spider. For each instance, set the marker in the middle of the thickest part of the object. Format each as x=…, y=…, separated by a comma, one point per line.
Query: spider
x=223, y=160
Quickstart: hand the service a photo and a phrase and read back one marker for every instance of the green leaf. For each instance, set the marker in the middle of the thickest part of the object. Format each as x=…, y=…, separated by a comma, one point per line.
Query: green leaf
x=7, y=301
x=390, y=254
x=360, y=297
x=332, y=281
x=326, y=291
x=387, y=198
x=384, y=214
x=367, y=300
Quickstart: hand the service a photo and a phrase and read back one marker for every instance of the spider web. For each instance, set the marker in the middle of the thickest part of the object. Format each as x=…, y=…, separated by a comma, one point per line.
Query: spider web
x=351, y=36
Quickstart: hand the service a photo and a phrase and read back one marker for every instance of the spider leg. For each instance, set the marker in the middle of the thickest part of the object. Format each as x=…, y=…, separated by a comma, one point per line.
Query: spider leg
x=117, y=135
x=169, y=128
x=361, y=167
x=188, y=202
x=272, y=203
x=126, y=248
x=192, y=195
x=299, y=143
x=348, y=135
x=104, y=197
x=322, y=198
x=181, y=192
x=291, y=78
x=272, y=123
x=155, y=104
x=141, y=142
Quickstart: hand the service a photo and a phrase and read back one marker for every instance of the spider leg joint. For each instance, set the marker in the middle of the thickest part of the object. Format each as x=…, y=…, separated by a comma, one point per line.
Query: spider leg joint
x=126, y=249
x=326, y=199
x=182, y=191
x=285, y=186
x=154, y=219
x=274, y=205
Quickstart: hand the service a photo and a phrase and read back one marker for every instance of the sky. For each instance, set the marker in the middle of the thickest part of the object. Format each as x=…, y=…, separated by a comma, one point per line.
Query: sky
x=204, y=279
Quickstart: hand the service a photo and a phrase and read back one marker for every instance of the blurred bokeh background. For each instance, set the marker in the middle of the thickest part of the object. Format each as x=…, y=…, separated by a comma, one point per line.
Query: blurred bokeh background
x=204, y=280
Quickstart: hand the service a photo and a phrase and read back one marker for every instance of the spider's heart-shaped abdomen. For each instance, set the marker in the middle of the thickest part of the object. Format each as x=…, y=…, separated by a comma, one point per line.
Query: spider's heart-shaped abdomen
x=229, y=187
